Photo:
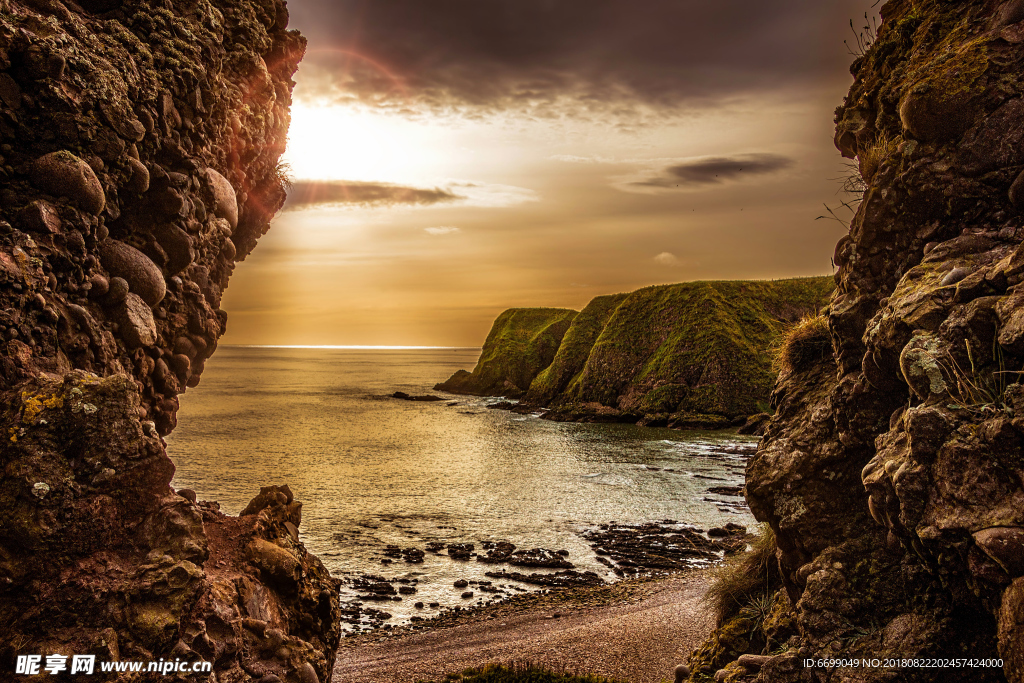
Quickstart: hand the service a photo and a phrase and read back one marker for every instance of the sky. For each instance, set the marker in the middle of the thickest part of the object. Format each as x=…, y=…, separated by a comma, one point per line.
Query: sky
x=454, y=158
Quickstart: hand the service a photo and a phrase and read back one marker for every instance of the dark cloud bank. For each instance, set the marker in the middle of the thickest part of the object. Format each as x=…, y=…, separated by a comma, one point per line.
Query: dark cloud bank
x=715, y=170
x=500, y=54
x=304, y=194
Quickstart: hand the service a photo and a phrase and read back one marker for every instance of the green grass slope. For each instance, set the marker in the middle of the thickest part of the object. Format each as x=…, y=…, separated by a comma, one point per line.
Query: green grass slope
x=521, y=343
x=690, y=348
x=575, y=349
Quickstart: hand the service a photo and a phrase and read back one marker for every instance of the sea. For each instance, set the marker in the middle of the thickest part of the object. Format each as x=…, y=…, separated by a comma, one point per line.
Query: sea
x=373, y=471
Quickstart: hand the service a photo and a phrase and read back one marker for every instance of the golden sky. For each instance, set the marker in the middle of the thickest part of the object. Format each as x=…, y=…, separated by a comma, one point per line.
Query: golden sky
x=455, y=158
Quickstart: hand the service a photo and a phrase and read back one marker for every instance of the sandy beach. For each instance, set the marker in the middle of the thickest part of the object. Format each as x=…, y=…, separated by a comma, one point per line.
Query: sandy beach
x=636, y=630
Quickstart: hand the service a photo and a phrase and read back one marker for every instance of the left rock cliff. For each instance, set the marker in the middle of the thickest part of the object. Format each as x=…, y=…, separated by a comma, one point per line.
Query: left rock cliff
x=139, y=161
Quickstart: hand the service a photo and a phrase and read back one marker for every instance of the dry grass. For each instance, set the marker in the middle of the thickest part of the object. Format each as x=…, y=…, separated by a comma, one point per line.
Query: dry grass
x=806, y=343
x=747, y=581
x=283, y=173
x=977, y=390
x=873, y=157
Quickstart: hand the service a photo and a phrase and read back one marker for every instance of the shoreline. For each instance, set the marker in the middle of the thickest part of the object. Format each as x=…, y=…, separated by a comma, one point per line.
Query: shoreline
x=636, y=629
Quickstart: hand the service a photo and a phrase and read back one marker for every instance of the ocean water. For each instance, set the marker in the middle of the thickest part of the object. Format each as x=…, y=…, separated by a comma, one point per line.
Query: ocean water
x=372, y=470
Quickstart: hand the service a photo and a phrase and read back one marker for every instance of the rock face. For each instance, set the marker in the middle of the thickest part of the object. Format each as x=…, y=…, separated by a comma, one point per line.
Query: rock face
x=139, y=148
x=695, y=354
x=892, y=472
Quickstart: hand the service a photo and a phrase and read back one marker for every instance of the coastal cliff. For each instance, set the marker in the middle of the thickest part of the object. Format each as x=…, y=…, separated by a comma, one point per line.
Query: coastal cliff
x=891, y=473
x=696, y=354
x=139, y=152
x=521, y=343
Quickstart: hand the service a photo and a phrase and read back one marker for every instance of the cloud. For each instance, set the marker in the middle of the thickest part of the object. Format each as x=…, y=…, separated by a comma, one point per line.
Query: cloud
x=441, y=230
x=492, y=194
x=704, y=171
x=313, y=192
x=566, y=57
x=666, y=259
x=576, y=159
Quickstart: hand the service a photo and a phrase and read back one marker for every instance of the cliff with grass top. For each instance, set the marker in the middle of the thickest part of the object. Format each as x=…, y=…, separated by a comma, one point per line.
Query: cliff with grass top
x=139, y=151
x=521, y=343
x=696, y=354
x=891, y=473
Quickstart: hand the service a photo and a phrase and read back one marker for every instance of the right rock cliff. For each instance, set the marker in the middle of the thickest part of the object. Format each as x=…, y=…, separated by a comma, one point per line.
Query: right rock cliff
x=892, y=473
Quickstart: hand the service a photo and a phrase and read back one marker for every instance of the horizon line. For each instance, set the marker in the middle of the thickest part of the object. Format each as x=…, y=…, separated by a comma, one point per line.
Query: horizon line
x=362, y=347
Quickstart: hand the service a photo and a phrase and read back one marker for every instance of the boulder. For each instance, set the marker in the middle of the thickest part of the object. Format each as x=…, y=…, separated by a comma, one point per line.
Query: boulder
x=277, y=564
x=144, y=277
x=62, y=174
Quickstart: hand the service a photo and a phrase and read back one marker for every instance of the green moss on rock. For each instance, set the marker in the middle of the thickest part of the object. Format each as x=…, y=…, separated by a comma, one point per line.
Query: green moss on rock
x=522, y=342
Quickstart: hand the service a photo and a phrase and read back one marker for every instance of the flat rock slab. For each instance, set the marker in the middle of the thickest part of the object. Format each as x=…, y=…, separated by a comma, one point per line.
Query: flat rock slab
x=640, y=640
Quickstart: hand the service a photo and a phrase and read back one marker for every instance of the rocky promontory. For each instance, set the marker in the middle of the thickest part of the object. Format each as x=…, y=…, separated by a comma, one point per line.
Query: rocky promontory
x=139, y=161
x=696, y=354
x=891, y=472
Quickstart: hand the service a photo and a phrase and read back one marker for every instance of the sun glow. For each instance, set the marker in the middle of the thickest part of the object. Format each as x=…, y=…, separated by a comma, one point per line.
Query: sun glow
x=344, y=143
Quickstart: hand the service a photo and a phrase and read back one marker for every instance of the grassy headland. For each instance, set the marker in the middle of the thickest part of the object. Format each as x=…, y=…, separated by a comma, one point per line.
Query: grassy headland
x=521, y=343
x=689, y=354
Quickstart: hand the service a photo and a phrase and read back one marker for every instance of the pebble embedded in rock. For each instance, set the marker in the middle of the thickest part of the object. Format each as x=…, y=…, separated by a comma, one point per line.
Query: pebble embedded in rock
x=954, y=276
x=139, y=180
x=62, y=174
x=99, y=286
x=138, y=270
x=754, y=662
x=135, y=321
x=228, y=251
x=225, y=203
x=277, y=564
x=180, y=364
x=178, y=247
x=117, y=290
x=40, y=216
x=306, y=673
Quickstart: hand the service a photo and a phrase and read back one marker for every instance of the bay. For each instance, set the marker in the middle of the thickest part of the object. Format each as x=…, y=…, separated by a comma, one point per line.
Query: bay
x=372, y=470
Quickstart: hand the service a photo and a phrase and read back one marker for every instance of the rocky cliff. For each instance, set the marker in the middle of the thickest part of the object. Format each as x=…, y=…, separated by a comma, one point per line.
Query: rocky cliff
x=696, y=354
x=892, y=472
x=139, y=148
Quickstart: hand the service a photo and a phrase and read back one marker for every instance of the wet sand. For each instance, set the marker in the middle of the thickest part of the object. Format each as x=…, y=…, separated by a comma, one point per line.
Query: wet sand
x=635, y=631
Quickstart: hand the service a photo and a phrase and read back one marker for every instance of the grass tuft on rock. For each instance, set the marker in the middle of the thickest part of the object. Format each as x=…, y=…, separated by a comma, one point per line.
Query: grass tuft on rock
x=520, y=673
x=744, y=584
x=806, y=343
